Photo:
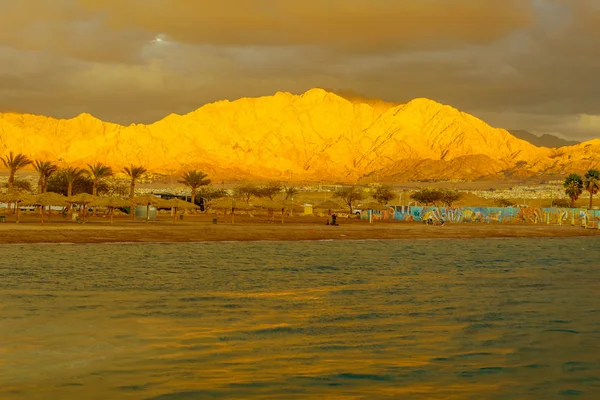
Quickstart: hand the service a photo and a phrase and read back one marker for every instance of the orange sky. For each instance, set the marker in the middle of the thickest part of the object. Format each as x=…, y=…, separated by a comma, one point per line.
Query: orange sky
x=523, y=64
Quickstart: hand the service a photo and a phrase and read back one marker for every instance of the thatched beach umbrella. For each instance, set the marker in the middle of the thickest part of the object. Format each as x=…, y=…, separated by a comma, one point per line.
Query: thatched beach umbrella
x=373, y=206
x=329, y=205
x=147, y=200
x=15, y=197
x=82, y=199
x=229, y=203
x=176, y=203
x=45, y=200
x=111, y=203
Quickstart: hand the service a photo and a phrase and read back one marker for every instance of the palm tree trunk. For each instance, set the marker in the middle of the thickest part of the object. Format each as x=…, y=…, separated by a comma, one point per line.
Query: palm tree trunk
x=591, y=199
x=11, y=180
x=193, y=195
x=42, y=215
x=132, y=189
x=94, y=193
x=17, y=212
x=69, y=194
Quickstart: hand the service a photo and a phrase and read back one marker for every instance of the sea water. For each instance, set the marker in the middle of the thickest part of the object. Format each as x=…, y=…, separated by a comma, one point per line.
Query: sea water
x=426, y=319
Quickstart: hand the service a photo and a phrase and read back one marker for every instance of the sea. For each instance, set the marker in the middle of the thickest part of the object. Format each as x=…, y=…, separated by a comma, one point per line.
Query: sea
x=389, y=319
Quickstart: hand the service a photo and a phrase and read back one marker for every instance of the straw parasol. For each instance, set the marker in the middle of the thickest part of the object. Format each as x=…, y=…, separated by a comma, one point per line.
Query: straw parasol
x=47, y=199
x=373, y=206
x=278, y=205
x=111, y=203
x=329, y=205
x=229, y=203
x=15, y=197
x=176, y=203
x=146, y=200
x=82, y=199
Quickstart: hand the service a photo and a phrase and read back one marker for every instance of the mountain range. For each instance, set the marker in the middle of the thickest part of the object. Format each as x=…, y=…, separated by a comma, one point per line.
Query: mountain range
x=315, y=136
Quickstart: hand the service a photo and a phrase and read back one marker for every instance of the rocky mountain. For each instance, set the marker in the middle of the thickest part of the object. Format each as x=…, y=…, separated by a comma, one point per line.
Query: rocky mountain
x=316, y=136
x=544, y=140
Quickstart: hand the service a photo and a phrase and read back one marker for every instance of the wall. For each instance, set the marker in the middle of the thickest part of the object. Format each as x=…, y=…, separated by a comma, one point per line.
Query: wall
x=486, y=214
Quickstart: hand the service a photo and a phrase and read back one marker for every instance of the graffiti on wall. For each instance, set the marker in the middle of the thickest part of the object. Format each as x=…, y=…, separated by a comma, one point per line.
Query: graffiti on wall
x=530, y=215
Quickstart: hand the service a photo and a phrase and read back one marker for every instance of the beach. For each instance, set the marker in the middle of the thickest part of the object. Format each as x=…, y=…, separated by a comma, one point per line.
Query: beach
x=201, y=229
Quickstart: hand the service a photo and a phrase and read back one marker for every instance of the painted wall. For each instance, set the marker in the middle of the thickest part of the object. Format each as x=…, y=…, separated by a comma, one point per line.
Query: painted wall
x=485, y=214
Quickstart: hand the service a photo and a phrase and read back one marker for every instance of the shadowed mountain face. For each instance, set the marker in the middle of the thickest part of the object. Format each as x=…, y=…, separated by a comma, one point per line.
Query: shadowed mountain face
x=545, y=140
x=316, y=136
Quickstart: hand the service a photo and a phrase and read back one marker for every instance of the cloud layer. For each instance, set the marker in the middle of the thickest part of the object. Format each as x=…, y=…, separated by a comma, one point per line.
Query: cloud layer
x=527, y=64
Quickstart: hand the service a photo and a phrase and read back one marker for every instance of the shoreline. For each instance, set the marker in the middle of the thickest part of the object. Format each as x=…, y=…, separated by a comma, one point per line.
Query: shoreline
x=253, y=231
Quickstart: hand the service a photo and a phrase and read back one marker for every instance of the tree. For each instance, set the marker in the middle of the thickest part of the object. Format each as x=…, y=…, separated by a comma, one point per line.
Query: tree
x=246, y=191
x=505, y=203
x=44, y=169
x=384, y=194
x=14, y=163
x=71, y=174
x=592, y=183
x=22, y=185
x=194, y=180
x=448, y=197
x=134, y=172
x=428, y=196
x=270, y=190
x=97, y=172
x=290, y=192
x=209, y=193
x=58, y=183
x=350, y=195
x=573, y=187
x=561, y=203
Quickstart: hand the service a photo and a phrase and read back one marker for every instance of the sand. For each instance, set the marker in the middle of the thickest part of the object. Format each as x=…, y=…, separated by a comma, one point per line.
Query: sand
x=201, y=228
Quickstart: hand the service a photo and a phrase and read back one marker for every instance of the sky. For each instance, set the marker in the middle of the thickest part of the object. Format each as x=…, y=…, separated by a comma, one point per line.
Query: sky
x=517, y=64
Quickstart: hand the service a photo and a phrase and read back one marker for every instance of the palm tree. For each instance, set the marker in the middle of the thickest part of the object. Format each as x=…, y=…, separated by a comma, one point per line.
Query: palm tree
x=134, y=172
x=71, y=174
x=98, y=172
x=45, y=169
x=14, y=163
x=592, y=183
x=573, y=187
x=194, y=179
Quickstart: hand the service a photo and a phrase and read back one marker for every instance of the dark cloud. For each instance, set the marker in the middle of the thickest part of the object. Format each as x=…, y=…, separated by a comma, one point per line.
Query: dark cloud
x=529, y=64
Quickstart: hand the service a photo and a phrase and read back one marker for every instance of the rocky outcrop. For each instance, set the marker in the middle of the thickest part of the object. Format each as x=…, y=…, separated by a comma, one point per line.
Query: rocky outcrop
x=316, y=136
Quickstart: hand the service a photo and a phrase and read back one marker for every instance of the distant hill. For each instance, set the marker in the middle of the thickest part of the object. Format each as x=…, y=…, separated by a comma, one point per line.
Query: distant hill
x=544, y=140
x=315, y=136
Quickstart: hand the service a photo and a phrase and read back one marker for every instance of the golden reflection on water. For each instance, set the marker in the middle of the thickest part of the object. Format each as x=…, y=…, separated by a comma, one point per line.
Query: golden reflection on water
x=469, y=319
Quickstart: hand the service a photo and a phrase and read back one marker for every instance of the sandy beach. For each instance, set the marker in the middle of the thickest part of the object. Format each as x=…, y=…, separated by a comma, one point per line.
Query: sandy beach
x=201, y=228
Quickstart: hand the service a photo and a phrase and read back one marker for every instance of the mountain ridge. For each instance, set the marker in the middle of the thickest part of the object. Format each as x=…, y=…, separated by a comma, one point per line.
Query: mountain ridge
x=317, y=135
